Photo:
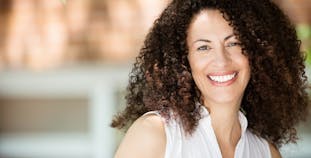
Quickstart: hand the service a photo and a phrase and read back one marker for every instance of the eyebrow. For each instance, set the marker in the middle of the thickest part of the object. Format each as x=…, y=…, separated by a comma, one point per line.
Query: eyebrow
x=206, y=40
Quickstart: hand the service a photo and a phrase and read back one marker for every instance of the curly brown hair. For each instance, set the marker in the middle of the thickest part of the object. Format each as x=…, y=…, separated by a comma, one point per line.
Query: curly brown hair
x=275, y=99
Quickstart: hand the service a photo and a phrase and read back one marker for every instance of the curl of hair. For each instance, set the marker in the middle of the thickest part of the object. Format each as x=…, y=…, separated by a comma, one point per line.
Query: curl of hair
x=275, y=99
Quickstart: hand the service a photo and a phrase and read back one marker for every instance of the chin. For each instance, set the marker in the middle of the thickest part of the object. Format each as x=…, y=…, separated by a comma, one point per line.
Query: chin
x=227, y=98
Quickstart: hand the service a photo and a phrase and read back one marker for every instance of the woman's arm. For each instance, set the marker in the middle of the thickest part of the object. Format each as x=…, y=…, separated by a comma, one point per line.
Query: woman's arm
x=145, y=138
x=274, y=151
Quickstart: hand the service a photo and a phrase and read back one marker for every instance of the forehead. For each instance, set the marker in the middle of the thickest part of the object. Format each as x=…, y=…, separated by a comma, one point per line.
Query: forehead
x=209, y=22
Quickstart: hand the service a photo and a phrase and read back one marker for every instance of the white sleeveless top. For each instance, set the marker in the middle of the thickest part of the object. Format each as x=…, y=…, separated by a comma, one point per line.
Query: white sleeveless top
x=203, y=143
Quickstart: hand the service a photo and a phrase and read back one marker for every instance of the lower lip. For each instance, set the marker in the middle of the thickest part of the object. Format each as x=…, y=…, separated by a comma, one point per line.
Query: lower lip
x=227, y=83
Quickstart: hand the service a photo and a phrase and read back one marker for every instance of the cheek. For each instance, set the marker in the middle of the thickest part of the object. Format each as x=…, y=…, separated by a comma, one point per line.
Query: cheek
x=198, y=64
x=244, y=65
x=241, y=60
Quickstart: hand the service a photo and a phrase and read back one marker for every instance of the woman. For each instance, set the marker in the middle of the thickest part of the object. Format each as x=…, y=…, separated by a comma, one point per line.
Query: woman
x=215, y=78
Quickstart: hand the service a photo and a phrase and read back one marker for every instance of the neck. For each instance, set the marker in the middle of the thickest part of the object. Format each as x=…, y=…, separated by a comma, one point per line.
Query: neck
x=226, y=125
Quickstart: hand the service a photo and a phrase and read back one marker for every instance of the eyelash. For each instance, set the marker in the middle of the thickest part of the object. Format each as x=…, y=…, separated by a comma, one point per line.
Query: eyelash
x=205, y=47
x=202, y=48
x=234, y=44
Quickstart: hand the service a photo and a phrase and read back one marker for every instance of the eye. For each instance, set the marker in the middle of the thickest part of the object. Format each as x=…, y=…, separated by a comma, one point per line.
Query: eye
x=203, y=48
x=232, y=44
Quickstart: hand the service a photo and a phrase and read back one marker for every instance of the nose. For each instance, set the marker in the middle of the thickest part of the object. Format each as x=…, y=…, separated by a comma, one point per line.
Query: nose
x=222, y=57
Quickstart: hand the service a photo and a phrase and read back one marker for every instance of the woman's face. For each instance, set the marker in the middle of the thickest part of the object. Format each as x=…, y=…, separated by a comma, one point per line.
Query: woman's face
x=219, y=68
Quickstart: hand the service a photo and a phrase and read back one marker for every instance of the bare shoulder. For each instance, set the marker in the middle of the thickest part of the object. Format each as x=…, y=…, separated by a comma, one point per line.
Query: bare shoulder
x=274, y=151
x=145, y=138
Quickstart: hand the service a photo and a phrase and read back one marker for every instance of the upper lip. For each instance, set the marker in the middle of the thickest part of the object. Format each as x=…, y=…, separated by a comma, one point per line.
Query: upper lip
x=221, y=73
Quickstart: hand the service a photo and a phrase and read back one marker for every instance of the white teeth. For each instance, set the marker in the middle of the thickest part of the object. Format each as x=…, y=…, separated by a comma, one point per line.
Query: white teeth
x=223, y=78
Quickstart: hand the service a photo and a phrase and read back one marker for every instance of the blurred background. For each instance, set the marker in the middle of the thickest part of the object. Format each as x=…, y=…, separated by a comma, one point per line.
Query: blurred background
x=64, y=67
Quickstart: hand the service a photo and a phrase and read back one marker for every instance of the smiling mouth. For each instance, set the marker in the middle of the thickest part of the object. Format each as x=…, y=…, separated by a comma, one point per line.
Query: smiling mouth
x=223, y=78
